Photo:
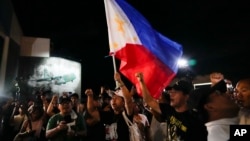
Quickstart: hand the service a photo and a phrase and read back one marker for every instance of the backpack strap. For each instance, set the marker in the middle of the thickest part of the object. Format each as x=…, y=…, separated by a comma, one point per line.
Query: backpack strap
x=128, y=122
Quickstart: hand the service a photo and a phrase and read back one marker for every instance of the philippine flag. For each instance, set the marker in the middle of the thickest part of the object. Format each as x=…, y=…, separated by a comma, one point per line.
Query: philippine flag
x=140, y=48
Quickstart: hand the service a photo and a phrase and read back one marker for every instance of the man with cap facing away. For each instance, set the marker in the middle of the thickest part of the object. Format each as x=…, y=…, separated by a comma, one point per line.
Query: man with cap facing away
x=216, y=108
x=182, y=124
x=67, y=125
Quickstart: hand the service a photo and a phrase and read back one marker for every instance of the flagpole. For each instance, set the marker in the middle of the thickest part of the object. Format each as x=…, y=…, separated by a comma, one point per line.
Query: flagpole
x=114, y=64
x=115, y=70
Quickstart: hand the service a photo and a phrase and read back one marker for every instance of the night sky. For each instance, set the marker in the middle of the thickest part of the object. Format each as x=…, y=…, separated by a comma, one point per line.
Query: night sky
x=216, y=33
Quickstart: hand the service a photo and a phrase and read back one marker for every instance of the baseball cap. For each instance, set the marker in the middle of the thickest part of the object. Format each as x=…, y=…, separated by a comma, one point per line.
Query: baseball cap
x=183, y=85
x=198, y=97
x=63, y=99
x=117, y=92
x=74, y=95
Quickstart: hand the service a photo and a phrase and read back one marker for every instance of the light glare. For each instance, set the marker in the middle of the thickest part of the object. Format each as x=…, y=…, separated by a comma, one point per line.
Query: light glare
x=182, y=63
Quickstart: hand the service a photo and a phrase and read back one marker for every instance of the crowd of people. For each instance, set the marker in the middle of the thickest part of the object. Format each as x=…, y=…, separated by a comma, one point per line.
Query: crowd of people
x=181, y=113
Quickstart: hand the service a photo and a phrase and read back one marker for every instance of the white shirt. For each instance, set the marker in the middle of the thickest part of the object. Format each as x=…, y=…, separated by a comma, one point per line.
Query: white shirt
x=144, y=119
x=219, y=130
x=244, y=116
x=158, y=130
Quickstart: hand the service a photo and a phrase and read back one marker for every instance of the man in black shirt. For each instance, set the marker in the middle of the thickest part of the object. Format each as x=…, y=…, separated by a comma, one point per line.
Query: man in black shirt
x=182, y=125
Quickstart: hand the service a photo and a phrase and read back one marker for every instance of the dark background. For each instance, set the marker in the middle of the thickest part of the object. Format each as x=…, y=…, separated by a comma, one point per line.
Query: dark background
x=216, y=33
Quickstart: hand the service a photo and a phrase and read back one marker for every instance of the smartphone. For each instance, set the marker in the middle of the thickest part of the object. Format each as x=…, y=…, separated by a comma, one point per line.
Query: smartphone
x=67, y=118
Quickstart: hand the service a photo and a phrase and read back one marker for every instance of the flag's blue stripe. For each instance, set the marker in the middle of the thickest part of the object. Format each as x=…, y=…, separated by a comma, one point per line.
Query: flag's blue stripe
x=163, y=48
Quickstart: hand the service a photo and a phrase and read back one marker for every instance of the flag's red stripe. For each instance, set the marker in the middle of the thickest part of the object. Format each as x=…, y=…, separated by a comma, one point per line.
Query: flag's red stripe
x=135, y=58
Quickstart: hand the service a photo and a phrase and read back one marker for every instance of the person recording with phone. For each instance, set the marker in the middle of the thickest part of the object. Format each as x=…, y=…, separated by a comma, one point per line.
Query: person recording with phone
x=66, y=125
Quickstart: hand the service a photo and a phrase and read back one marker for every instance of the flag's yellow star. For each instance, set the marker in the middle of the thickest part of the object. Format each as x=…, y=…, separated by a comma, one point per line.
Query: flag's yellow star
x=120, y=24
x=132, y=39
x=135, y=39
x=115, y=45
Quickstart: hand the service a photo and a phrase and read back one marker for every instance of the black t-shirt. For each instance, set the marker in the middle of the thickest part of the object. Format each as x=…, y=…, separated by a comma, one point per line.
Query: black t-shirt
x=184, y=126
x=95, y=132
x=116, y=128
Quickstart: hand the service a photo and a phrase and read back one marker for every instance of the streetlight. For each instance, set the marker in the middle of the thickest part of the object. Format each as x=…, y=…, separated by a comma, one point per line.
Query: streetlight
x=183, y=65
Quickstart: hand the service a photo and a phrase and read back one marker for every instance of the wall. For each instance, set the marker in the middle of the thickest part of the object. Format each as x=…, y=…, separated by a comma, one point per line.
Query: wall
x=10, y=34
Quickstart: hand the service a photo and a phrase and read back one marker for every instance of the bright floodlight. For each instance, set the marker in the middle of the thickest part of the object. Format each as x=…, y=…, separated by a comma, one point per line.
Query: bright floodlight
x=182, y=63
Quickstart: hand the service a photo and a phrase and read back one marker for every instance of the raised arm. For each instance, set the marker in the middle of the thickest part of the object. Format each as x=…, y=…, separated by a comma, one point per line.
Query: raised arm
x=51, y=105
x=146, y=95
x=92, y=110
x=126, y=94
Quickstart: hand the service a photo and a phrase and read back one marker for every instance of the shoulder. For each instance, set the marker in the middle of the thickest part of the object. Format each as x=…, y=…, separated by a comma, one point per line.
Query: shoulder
x=166, y=110
x=144, y=119
x=56, y=117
